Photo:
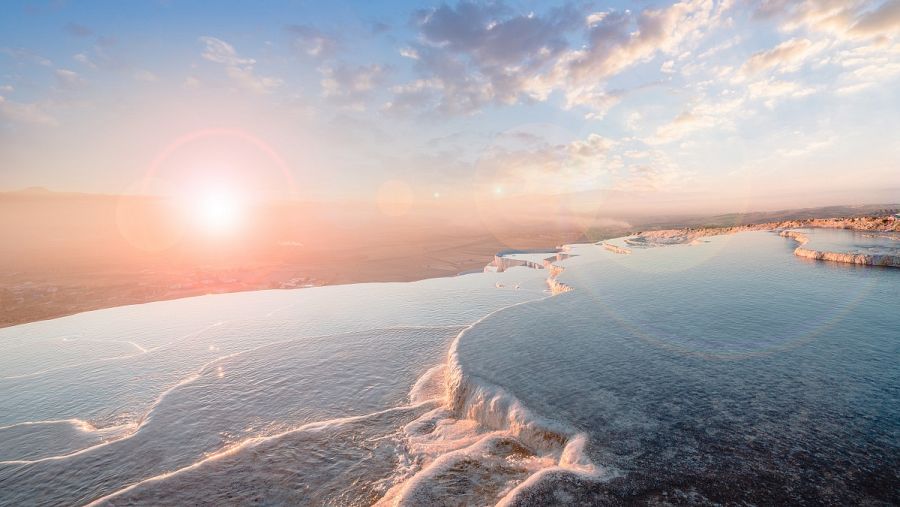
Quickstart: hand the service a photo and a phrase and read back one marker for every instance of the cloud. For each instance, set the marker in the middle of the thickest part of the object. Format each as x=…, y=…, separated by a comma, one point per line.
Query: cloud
x=26, y=55
x=784, y=56
x=883, y=20
x=859, y=36
x=191, y=83
x=68, y=79
x=597, y=101
x=842, y=19
x=851, y=89
x=521, y=137
x=542, y=167
x=622, y=39
x=808, y=148
x=461, y=89
x=875, y=70
x=728, y=44
x=414, y=96
x=245, y=78
x=85, y=60
x=104, y=55
x=33, y=113
x=239, y=69
x=219, y=51
x=487, y=54
x=702, y=115
x=379, y=28
x=594, y=146
x=144, y=75
x=409, y=53
x=773, y=88
x=831, y=16
x=771, y=91
x=312, y=42
x=767, y=9
x=633, y=120
x=492, y=36
x=76, y=30
x=685, y=123
x=659, y=174
x=594, y=162
x=351, y=86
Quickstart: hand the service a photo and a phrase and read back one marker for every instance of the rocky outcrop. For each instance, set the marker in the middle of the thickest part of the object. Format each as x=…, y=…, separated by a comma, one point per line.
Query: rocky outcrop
x=502, y=262
x=559, y=256
x=615, y=249
x=557, y=287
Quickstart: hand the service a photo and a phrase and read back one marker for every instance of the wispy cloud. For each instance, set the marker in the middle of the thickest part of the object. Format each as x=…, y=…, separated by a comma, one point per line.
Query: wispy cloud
x=219, y=51
x=785, y=56
x=537, y=166
x=32, y=113
x=312, y=42
x=807, y=148
x=23, y=55
x=238, y=68
x=78, y=30
x=351, y=86
x=703, y=114
x=144, y=75
x=68, y=79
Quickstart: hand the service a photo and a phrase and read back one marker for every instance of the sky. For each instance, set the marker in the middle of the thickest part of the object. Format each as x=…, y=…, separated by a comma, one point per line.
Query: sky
x=767, y=103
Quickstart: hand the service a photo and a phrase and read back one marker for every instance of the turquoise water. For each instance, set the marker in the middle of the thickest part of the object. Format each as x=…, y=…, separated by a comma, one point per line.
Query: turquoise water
x=724, y=372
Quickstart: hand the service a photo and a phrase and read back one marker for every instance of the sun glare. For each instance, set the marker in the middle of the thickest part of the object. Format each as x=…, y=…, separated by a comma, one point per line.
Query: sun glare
x=217, y=211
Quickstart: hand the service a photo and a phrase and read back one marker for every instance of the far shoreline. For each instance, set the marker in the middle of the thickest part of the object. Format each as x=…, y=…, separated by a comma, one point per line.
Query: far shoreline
x=411, y=276
x=450, y=259
x=786, y=229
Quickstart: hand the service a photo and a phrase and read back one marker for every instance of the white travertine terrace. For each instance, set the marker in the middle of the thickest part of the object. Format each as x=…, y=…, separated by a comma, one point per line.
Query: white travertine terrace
x=891, y=260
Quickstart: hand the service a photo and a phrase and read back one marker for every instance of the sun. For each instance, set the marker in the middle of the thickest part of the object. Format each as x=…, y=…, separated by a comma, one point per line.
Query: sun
x=217, y=210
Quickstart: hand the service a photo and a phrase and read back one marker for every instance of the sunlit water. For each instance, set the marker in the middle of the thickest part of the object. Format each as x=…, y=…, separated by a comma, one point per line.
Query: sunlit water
x=730, y=370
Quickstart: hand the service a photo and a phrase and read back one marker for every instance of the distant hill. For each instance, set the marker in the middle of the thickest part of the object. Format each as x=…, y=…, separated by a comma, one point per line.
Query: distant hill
x=759, y=217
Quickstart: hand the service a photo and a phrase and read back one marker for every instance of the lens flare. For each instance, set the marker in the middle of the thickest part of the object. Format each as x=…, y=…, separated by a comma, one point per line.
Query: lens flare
x=217, y=211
